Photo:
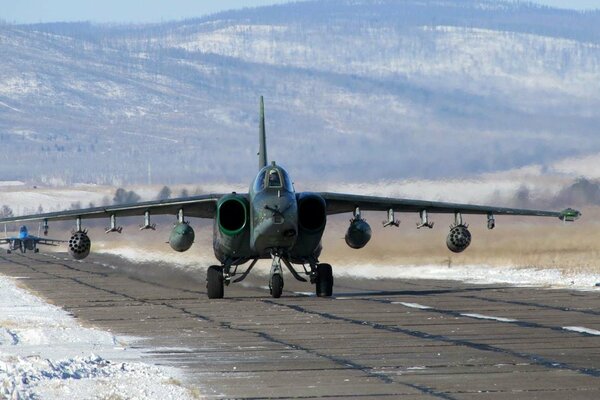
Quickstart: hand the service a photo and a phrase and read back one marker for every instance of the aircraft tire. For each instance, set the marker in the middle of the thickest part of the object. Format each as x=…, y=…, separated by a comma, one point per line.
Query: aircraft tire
x=214, y=282
x=36, y=250
x=324, y=283
x=276, y=286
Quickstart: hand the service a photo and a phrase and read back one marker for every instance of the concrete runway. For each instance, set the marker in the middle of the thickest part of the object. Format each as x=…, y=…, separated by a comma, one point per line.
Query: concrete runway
x=374, y=339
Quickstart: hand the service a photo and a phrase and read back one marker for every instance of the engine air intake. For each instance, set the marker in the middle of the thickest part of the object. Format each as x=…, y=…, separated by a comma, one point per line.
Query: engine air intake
x=232, y=215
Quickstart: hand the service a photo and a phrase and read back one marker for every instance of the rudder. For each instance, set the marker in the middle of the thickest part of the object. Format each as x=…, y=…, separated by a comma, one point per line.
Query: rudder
x=262, y=137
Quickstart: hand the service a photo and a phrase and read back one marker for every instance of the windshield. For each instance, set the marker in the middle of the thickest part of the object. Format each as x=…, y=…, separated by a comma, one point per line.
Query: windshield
x=273, y=178
x=259, y=183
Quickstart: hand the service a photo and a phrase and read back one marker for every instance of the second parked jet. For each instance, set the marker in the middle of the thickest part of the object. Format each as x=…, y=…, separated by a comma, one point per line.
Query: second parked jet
x=24, y=241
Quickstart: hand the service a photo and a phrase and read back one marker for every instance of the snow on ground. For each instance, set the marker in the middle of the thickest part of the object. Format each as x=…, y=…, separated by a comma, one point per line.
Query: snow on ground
x=46, y=354
x=24, y=199
x=11, y=183
x=477, y=274
x=27, y=201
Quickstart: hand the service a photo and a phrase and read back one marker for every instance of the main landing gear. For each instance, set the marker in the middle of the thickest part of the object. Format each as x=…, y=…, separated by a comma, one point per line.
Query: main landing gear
x=321, y=276
x=214, y=282
x=219, y=276
x=323, y=280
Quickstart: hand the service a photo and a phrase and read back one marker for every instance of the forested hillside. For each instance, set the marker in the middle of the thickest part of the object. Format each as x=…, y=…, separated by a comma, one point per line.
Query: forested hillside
x=354, y=90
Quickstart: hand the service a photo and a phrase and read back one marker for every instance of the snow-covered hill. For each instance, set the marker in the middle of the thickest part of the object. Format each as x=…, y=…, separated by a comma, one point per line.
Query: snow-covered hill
x=355, y=90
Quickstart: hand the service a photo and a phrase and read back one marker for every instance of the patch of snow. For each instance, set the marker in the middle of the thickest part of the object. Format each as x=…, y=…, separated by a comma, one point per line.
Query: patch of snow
x=582, y=329
x=412, y=305
x=145, y=135
x=45, y=353
x=307, y=294
x=19, y=85
x=477, y=274
x=11, y=183
x=488, y=317
x=27, y=201
x=187, y=260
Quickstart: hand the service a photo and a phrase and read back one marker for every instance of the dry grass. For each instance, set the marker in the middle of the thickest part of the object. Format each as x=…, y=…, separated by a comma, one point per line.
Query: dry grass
x=518, y=242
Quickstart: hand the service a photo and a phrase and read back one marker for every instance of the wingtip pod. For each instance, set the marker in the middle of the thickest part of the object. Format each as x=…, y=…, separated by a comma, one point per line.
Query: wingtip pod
x=569, y=215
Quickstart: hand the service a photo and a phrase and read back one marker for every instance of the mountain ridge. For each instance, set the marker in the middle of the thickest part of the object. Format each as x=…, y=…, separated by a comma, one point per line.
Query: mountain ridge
x=360, y=101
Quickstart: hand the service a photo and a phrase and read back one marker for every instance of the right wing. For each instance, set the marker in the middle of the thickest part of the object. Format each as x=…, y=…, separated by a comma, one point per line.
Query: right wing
x=338, y=203
x=203, y=206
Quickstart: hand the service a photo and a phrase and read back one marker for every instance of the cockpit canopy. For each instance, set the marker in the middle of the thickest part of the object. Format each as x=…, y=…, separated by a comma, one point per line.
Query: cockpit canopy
x=23, y=232
x=273, y=177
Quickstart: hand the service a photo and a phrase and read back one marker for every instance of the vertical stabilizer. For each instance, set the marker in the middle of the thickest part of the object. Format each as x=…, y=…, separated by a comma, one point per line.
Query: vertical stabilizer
x=262, y=137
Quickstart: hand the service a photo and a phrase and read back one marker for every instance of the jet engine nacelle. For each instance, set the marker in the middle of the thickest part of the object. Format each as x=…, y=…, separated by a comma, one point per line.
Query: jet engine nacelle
x=80, y=245
x=312, y=218
x=358, y=234
x=182, y=237
x=458, y=239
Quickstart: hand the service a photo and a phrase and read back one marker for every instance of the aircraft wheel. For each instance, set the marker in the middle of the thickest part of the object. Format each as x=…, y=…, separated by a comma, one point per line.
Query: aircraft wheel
x=276, y=286
x=36, y=250
x=8, y=251
x=324, y=283
x=214, y=282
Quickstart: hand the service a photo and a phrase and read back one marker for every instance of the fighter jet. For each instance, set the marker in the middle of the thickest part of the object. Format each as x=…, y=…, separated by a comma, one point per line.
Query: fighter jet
x=273, y=221
x=25, y=241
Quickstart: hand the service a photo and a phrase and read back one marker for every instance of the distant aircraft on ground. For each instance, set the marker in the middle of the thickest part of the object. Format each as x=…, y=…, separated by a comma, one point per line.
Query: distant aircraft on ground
x=25, y=241
x=274, y=222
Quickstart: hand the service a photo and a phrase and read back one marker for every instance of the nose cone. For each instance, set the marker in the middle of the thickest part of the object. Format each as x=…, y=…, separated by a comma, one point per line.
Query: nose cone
x=275, y=223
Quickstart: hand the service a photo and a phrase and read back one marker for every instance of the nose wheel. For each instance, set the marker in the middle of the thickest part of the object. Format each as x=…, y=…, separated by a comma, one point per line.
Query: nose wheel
x=276, y=286
x=276, y=281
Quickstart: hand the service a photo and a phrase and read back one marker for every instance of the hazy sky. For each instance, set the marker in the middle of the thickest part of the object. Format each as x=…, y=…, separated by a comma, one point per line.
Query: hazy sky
x=28, y=11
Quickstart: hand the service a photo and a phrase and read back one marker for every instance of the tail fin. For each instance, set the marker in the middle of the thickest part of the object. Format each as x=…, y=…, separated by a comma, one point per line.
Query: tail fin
x=262, y=137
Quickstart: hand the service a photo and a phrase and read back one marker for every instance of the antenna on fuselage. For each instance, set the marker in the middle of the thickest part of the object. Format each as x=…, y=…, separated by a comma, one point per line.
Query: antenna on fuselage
x=262, y=137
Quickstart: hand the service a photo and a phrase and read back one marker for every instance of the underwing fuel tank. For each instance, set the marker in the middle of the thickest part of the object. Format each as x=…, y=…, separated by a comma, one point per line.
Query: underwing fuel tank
x=79, y=245
x=358, y=234
x=182, y=237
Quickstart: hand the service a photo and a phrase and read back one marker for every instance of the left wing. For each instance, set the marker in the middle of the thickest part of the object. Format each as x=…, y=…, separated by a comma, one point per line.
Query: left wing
x=338, y=203
x=203, y=206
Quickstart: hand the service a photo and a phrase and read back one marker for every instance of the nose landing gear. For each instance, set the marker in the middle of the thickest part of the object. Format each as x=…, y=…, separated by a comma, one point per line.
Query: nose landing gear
x=276, y=281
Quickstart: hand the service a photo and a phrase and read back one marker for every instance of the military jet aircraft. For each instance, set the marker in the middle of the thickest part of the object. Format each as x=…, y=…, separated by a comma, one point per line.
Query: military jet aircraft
x=273, y=221
x=25, y=241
